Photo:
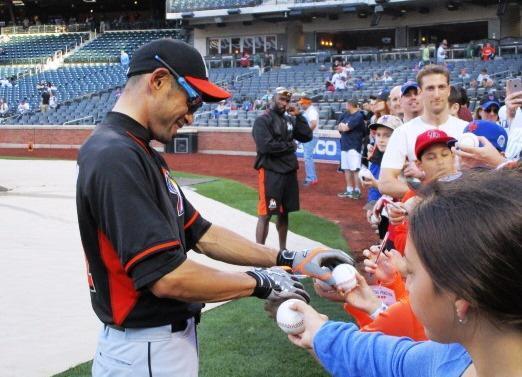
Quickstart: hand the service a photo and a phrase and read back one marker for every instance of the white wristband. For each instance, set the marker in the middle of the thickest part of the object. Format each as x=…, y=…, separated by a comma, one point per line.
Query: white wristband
x=379, y=310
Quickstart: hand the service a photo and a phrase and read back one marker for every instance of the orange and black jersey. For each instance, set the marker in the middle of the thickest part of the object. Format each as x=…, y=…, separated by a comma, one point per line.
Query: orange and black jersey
x=135, y=224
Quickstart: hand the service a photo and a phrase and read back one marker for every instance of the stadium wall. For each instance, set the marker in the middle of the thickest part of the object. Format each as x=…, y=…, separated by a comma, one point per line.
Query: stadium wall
x=43, y=140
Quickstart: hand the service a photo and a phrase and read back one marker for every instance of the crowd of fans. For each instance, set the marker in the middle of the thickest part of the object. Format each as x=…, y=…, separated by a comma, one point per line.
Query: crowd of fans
x=426, y=163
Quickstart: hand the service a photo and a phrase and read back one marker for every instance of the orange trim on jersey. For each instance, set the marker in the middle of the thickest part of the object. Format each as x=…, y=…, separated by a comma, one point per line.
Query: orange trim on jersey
x=261, y=205
x=147, y=252
x=191, y=221
x=123, y=296
x=139, y=142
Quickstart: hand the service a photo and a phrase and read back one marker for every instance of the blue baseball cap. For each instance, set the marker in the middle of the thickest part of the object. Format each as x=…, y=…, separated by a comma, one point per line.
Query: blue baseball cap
x=487, y=104
x=407, y=86
x=491, y=131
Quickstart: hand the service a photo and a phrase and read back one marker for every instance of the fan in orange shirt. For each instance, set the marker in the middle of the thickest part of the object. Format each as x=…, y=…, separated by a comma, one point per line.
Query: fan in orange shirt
x=364, y=303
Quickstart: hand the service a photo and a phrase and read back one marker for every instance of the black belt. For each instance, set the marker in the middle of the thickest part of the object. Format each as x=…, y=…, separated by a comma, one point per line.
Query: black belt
x=176, y=326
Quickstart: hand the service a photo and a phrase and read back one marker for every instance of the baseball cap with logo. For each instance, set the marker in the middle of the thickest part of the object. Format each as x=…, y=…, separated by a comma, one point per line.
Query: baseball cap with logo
x=429, y=138
x=491, y=131
x=182, y=60
x=407, y=86
x=389, y=121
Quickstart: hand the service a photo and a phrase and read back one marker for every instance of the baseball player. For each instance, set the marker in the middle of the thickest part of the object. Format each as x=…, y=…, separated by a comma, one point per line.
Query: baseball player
x=274, y=133
x=137, y=226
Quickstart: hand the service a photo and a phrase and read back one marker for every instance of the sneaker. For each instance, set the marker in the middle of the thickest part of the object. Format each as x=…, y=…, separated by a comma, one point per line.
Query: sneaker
x=345, y=194
x=356, y=195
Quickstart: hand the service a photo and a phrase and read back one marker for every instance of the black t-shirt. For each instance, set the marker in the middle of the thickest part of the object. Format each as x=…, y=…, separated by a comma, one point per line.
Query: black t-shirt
x=135, y=224
x=45, y=97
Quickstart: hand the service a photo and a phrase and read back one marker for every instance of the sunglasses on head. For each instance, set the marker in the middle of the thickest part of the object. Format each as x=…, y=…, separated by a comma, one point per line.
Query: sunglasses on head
x=195, y=100
x=492, y=109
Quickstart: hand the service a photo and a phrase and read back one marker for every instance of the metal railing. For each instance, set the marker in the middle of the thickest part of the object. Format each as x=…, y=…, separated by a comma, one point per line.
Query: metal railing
x=44, y=29
x=79, y=121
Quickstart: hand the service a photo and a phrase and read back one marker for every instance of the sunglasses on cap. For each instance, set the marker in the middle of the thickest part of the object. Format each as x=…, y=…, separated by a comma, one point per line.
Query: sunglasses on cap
x=492, y=109
x=195, y=100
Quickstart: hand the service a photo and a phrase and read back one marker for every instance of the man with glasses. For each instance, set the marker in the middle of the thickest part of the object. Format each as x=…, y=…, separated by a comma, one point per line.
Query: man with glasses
x=137, y=226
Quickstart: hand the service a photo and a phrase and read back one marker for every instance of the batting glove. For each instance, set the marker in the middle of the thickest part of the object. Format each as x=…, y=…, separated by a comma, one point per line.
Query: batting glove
x=274, y=283
x=317, y=262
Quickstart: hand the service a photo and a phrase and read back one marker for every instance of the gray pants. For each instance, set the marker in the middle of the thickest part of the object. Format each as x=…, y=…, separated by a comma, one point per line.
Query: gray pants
x=155, y=351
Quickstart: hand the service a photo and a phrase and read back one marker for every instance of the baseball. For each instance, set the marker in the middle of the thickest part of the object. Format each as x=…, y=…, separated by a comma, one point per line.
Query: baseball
x=288, y=320
x=365, y=174
x=468, y=140
x=344, y=276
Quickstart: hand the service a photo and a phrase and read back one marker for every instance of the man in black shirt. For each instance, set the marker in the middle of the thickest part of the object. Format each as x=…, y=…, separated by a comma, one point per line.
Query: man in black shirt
x=137, y=227
x=274, y=133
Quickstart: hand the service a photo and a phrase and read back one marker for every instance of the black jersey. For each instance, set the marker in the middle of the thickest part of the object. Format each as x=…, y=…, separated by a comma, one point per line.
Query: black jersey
x=135, y=223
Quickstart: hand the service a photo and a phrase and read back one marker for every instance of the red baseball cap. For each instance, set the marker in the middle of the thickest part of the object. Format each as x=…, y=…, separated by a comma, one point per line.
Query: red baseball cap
x=430, y=137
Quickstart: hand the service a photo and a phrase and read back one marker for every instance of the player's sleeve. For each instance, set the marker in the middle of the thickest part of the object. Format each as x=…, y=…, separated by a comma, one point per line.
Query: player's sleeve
x=195, y=225
x=146, y=242
x=343, y=350
x=396, y=150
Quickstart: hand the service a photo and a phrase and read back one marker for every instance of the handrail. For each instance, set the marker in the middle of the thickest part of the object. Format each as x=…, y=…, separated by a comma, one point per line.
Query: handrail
x=77, y=120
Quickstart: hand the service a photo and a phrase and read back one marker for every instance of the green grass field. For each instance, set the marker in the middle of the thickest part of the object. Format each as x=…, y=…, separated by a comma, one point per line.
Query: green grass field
x=238, y=339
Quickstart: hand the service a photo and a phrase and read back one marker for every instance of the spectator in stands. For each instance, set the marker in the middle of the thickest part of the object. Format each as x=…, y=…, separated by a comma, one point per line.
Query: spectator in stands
x=359, y=83
x=53, y=102
x=23, y=106
x=5, y=83
x=433, y=81
x=425, y=52
x=339, y=79
x=394, y=101
x=442, y=52
x=464, y=75
x=312, y=116
x=353, y=129
x=410, y=104
x=488, y=52
x=124, y=59
x=221, y=109
x=483, y=75
x=348, y=68
x=244, y=61
x=44, y=104
x=386, y=78
x=4, y=107
x=490, y=110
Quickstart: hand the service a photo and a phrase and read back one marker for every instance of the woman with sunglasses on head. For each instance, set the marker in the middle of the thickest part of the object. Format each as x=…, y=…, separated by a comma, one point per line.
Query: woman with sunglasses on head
x=463, y=278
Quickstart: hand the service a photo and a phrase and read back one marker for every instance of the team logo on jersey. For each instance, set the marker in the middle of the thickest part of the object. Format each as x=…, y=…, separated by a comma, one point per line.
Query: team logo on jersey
x=173, y=188
x=272, y=204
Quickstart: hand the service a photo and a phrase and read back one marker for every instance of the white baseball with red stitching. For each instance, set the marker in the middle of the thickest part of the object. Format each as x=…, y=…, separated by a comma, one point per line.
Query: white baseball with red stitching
x=344, y=276
x=288, y=320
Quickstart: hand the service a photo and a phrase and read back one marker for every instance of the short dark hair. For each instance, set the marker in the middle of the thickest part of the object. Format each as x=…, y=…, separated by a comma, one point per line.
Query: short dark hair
x=432, y=69
x=476, y=260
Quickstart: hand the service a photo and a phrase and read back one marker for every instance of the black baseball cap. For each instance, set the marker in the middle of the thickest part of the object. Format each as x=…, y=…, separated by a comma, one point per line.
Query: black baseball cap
x=184, y=59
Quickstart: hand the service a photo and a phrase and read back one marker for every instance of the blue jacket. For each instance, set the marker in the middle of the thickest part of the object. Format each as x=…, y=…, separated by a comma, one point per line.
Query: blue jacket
x=345, y=351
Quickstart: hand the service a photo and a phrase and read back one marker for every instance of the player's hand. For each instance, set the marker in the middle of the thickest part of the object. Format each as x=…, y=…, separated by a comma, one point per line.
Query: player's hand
x=276, y=285
x=317, y=262
x=312, y=322
x=327, y=293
